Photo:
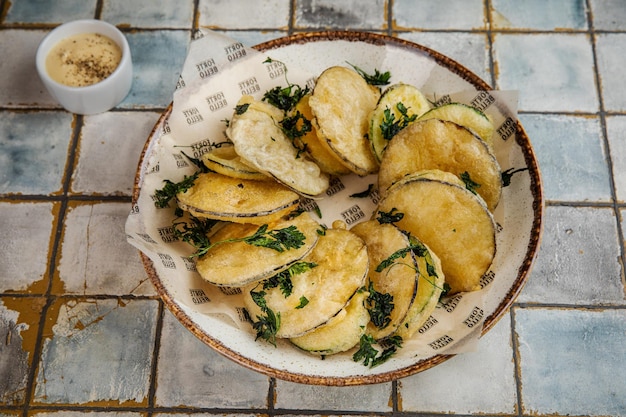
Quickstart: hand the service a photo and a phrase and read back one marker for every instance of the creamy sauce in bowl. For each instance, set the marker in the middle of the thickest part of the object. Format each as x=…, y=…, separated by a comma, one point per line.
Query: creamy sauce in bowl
x=83, y=59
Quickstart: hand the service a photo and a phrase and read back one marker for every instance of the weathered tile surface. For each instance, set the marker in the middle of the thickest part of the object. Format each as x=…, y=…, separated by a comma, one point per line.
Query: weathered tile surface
x=83, y=331
x=571, y=361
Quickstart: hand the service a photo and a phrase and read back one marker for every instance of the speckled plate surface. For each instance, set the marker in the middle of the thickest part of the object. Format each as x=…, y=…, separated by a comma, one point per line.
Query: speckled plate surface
x=518, y=242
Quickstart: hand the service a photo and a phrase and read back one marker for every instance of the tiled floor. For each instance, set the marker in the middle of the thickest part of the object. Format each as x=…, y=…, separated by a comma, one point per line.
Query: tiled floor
x=82, y=330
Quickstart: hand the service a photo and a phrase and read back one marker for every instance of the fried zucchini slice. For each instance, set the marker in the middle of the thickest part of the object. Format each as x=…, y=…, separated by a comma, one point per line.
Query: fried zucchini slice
x=339, y=334
x=452, y=221
x=400, y=280
x=217, y=196
x=235, y=264
x=326, y=160
x=341, y=103
x=341, y=268
x=225, y=161
x=387, y=113
x=446, y=146
x=429, y=288
x=466, y=116
x=262, y=144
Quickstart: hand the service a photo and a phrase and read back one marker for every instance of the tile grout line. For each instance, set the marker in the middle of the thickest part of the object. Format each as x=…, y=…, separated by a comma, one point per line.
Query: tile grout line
x=52, y=264
x=517, y=376
x=605, y=142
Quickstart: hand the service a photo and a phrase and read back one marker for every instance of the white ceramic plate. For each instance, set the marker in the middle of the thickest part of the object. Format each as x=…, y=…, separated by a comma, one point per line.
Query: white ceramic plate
x=518, y=243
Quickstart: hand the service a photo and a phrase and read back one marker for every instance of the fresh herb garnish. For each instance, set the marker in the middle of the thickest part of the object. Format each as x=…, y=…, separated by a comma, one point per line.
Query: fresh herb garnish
x=390, y=126
x=303, y=302
x=292, y=127
x=285, y=98
x=241, y=108
x=377, y=79
x=470, y=184
x=195, y=233
x=369, y=355
x=391, y=216
x=170, y=189
x=267, y=325
x=283, y=279
x=508, y=174
x=379, y=305
x=363, y=194
x=278, y=240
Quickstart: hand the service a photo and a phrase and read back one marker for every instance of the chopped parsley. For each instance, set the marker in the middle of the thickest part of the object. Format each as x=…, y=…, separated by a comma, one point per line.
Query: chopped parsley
x=470, y=184
x=266, y=325
x=379, y=305
x=379, y=78
x=370, y=356
x=282, y=280
x=195, y=233
x=391, y=216
x=170, y=189
x=390, y=126
x=285, y=98
x=303, y=302
x=241, y=108
x=363, y=194
x=508, y=174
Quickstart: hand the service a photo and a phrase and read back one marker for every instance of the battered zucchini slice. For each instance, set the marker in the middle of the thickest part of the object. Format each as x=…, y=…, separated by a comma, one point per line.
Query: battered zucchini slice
x=326, y=160
x=341, y=103
x=399, y=105
x=319, y=293
x=219, y=197
x=466, y=116
x=261, y=143
x=452, y=221
x=429, y=288
x=339, y=334
x=225, y=161
x=400, y=281
x=237, y=263
x=445, y=146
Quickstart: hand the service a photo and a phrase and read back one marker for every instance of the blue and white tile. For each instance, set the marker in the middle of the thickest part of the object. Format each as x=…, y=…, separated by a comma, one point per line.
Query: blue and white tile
x=142, y=14
x=616, y=133
x=49, y=11
x=373, y=398
x=608, y=14
x=95, y=258
x=348, y=14
x=578, y=263
x=24, y=266
x=243, y=14
x=553, y=72
x=33, y=151
x=481, y=381
x=572, y=361
x=191, y=374
x=19, y=322
x=468, y=49
x=158, y=57
x=97, y=350
x=611, y=49
x=539, y=14
x=439, y=15
x=20, y=84
x=571, y=155
x=109, y=150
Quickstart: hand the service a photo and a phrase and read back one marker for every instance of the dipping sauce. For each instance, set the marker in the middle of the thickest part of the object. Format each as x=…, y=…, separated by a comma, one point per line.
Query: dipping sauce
x=83, y=59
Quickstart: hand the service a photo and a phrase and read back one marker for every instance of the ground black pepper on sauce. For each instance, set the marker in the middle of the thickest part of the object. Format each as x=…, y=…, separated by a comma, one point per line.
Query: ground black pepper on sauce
x=83, y=59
